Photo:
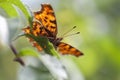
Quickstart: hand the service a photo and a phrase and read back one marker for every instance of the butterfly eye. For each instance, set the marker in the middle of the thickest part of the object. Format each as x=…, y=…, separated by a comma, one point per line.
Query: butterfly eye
x=59, y=39
x=41, y=28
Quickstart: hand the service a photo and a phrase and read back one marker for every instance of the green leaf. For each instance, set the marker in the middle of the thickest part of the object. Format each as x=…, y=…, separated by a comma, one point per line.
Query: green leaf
x=28, y=52
x=45, y=44
x=9, y=9
x=3, y=1
x=19, y=4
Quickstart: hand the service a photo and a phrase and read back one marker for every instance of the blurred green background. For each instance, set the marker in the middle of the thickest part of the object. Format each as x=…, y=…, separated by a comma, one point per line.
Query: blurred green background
x=99, y=24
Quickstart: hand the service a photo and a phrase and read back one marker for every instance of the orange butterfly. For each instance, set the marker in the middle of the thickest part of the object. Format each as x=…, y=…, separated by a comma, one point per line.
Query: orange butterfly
x=45, y=25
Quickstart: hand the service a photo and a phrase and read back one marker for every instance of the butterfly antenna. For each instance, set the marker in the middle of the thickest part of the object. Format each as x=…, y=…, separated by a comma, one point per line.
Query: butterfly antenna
x=71, y=34
x=68, y=31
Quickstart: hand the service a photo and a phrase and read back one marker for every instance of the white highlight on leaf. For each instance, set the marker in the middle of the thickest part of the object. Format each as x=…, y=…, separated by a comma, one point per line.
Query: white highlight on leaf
x=4, y=34
x=55, y=66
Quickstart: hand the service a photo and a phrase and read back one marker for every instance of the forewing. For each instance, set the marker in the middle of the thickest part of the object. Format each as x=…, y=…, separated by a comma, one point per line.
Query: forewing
x=66, y=49
x=47, y=18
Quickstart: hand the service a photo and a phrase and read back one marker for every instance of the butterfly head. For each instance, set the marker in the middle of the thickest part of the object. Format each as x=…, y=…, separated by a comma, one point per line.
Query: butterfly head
x=55, y=40
x=59, y=39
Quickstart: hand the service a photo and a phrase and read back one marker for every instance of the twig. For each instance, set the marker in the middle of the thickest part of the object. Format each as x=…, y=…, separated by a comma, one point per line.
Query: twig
x=18, y=59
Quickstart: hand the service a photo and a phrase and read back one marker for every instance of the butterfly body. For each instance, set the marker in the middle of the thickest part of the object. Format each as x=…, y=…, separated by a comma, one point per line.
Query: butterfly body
x=46, y=25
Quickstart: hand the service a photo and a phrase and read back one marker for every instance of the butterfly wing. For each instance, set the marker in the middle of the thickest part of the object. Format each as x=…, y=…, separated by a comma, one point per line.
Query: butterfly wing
x=36, y=30
x=47, y=18
x=44, y=26
x=66, y=49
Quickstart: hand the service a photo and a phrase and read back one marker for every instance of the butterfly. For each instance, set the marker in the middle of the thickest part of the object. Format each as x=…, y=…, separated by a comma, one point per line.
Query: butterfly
x=45, y=25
